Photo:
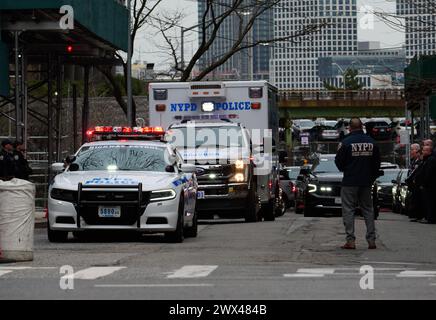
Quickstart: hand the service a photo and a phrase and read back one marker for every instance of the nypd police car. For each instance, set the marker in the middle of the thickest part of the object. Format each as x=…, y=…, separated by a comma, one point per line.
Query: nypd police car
x=124, y=182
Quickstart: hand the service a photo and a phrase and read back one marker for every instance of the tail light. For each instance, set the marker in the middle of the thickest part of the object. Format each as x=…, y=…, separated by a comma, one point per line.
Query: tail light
x=270, y=184
x=46, y=213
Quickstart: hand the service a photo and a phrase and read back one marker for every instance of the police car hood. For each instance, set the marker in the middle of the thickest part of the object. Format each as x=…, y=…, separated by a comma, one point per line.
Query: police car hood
x=214, y=153
x=149, y=180
x=330, y=176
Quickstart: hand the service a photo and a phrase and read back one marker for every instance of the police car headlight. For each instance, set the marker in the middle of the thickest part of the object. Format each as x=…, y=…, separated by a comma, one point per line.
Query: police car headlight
x=208, y=107
x=162, y=195
x=326, y=189
x=239, y=164
x=312, y=187
x=63, y=195
x=238, y=177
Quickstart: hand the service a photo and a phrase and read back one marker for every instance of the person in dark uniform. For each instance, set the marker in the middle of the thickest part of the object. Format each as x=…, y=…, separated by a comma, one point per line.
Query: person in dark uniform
x=358, y=157
x=22, y=167
x=425, y=180
x=414, y=199
x=8, y=164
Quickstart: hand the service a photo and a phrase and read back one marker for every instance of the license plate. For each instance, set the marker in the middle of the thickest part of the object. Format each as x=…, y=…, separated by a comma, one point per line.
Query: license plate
x=382, y=130
x=109, y=212
x=200, y=194
x=338, y=200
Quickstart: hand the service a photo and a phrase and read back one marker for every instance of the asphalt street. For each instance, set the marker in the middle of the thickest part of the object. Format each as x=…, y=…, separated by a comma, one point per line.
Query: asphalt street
x=291, y=258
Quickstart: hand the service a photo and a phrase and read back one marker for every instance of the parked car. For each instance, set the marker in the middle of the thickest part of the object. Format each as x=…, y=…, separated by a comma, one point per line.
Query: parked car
x=343, y=128
x=329, y=133
x=288, y=178
x=398, y=183
x=323, y=132
x=379, y=130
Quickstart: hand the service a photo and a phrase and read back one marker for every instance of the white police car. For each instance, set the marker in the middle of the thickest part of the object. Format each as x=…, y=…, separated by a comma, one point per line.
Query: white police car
x=128, y=184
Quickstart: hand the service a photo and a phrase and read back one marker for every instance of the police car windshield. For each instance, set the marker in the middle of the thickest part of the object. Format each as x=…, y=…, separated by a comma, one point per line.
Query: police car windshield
x=121, y=158
x=219, y=137
x=326, y=166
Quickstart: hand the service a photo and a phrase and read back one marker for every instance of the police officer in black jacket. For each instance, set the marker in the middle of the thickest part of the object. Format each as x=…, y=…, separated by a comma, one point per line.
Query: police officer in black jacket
x=23, y=170
x=8, y=165
x=358, y=157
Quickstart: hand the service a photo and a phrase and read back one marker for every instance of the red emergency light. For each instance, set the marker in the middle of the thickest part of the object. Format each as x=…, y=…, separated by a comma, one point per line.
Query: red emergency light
x=70, y=49
x=123, y=132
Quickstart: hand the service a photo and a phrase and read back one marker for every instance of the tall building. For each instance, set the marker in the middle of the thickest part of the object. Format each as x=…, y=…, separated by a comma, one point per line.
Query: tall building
x=420, y=26
x=295, y=63
x=246, y=64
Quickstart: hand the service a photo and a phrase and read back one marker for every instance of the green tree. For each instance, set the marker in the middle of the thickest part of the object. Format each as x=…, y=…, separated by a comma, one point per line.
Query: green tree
x=351, y=81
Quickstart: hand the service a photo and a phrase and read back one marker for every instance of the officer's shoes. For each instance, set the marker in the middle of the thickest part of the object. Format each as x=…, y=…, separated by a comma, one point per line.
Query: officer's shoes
x=371, y=245
x=349, y=245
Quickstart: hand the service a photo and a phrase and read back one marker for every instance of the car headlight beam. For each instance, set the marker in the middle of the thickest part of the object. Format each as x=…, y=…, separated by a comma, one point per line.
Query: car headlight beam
x=239, y=164
x=312, y=187
x=162, y=195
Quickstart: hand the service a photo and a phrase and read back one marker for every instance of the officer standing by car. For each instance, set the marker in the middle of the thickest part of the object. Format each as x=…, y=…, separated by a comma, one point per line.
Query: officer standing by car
x=358, y=158
x=22, y=166
x=8, y=165
x=413, y=201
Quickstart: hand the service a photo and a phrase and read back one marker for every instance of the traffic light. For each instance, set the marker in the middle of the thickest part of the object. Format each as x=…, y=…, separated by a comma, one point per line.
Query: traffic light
x=70, y=49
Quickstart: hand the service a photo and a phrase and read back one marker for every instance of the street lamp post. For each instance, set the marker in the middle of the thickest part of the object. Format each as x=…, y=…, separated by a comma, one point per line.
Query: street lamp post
x=129, y=66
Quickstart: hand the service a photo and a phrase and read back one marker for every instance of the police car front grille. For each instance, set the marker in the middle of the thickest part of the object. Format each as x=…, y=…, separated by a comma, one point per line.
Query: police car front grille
x=336, y=189
x=216, y=175
x=129, y=216
x=113, y=197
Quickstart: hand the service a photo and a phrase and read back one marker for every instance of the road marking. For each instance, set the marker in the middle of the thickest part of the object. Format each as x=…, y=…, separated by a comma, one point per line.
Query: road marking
x=303, y=275
x=3, y=272
x=317, y=271
x=199, y=271
x=310, y=272
x=416, y=274
x=153, y=285
x=92, y=273
x=384, y=262
x=15, y=268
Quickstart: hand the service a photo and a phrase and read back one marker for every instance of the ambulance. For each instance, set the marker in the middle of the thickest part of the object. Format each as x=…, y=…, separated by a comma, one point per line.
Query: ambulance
x=229, y=130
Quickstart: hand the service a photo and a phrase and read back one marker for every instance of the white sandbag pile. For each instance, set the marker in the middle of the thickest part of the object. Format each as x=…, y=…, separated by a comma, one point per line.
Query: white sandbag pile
x=17, y=220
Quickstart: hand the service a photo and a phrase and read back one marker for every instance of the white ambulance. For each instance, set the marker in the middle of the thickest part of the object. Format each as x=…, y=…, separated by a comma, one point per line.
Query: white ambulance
x=229, y=130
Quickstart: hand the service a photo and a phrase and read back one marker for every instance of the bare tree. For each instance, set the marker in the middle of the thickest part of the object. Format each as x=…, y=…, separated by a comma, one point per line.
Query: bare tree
x=417, y=12
x=142, y=9
x=216, y=13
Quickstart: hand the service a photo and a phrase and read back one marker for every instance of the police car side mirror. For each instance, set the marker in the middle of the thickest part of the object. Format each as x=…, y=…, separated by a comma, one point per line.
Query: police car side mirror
x=70, y=159
x=73, y=167
x=57, y=167
x=188, y=168
x=170, y=169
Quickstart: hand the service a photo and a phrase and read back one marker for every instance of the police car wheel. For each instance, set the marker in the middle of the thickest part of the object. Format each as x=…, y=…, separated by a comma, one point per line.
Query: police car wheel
x=193, y=230
x=177, y=236
x=252, y=211
x=269, y=210
x=56, y=236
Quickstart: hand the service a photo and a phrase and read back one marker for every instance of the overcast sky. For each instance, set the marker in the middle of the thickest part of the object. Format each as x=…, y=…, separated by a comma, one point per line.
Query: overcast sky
x=147, y=41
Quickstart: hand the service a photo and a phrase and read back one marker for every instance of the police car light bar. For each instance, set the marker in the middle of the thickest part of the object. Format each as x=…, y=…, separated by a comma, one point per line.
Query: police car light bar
x=125, y=131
